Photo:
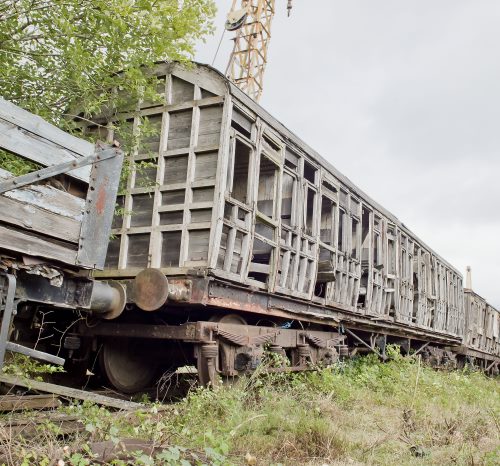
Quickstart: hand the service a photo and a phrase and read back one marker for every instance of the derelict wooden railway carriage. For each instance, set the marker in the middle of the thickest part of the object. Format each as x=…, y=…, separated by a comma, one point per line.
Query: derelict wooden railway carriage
x=233, y=238
x=230, y=219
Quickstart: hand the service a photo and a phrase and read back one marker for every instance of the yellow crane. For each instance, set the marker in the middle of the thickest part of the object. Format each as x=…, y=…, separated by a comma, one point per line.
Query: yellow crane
x=251, y=20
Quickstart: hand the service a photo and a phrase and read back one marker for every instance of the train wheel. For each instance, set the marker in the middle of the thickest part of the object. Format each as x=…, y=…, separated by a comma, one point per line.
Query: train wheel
x=128, y=365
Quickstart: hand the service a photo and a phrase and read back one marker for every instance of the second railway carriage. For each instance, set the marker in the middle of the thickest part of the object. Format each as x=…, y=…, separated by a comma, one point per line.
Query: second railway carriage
x=233, y=235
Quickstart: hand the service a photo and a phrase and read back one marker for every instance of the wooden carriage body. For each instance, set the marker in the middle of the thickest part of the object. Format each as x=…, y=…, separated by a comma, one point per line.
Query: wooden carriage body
x=219, y=188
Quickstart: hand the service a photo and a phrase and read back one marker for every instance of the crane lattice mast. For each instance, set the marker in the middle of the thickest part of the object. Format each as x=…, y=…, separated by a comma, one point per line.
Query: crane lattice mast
x=252, y=23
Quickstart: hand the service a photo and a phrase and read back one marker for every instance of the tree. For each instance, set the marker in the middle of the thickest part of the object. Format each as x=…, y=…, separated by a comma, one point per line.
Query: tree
x=56, y=54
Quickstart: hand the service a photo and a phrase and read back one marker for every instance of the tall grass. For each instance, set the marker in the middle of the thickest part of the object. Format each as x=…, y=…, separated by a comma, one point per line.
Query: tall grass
x=361, y=412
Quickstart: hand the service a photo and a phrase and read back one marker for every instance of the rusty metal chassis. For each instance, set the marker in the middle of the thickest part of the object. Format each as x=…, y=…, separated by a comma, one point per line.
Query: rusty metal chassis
x=232, y=349
x=209, y=292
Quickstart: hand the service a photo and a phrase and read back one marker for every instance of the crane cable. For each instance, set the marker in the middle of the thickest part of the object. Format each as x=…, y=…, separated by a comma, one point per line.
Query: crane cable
x=218, y=47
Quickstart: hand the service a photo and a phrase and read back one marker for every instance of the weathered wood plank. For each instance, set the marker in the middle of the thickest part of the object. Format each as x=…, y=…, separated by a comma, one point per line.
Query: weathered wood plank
x=36, y=219
x=37, y=125
x=69, y=392
x=21, y=403
x=27, y=244
x=47, y=197
x=38, y=149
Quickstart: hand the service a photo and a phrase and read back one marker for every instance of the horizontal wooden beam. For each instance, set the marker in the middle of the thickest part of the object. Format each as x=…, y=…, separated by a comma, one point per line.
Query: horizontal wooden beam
x=25, y=243
x=69, y=392
x=36, y=219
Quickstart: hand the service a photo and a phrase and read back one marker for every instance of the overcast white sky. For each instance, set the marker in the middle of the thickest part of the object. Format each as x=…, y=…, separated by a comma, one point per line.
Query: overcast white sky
x=403, y=97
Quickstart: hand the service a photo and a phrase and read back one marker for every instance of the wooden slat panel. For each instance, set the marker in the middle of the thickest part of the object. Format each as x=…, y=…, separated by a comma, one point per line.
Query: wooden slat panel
x=33, y=246
x=47, y=198
x=36, y=219
x=40, y=150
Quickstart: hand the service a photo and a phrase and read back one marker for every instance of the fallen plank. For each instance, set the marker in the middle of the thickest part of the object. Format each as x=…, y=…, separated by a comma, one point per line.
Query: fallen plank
x=70, y=392
x=23, y=402
x=31, y=426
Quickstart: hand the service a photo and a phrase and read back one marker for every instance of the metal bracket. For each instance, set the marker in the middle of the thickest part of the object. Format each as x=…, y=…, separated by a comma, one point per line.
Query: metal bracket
x=8, y=312
x=381, y=356
x=53, y=170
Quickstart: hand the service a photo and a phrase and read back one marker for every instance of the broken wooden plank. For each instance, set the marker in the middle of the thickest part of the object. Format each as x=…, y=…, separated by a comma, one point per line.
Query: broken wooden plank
x=38, y=149
x=14, y=240
x=47, y=197
x=37, y=125
x=29, y=426
x=23, y=402
x=70, y=392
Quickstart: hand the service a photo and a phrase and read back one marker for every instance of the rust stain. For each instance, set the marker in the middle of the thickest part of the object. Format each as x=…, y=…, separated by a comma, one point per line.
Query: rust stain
x=100, y=203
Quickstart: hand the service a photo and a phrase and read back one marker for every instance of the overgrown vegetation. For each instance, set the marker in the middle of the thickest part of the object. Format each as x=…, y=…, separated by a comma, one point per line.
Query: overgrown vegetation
x=67, y=61
x=75, y=53
x=361, y=412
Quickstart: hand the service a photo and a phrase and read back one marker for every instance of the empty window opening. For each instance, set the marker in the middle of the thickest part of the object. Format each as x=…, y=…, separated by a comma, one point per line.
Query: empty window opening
x=309, y=172
x=391, y=257
x=342, y=236
x=287, y=199
x=329, y=186
x=237, y=259
x=261, y=258
x=354, y=238
x=261, y=252
x=311, y=199
x=241, y=124
x=228, y=211
x=325, y=273
x=223, y=247
x=242, y=215
x=291, y=160
x=264, y=229
x=415, y=297
x=363, y=289
x=327, y=221
x=271, y=144
x=376, y=250
x=266, y=194
x=119, y=212
x=239, y=185
x=365, y=235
